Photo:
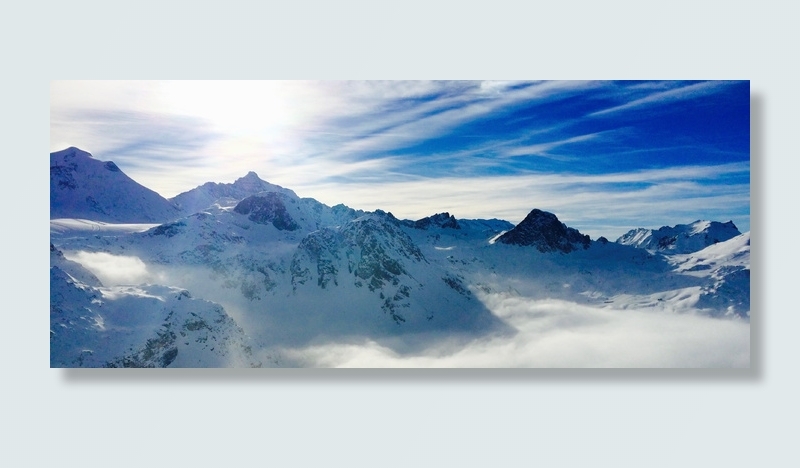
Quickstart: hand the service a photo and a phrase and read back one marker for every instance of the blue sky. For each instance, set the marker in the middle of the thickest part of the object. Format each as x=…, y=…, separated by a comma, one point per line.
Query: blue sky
x=604, y=156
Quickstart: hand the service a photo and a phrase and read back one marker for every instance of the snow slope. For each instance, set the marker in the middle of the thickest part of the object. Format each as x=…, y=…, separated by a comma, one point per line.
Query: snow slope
x=726, y=267
x=66, y=227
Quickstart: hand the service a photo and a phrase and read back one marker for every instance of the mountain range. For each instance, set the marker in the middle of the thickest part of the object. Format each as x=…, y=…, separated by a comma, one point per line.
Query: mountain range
x=237, y=274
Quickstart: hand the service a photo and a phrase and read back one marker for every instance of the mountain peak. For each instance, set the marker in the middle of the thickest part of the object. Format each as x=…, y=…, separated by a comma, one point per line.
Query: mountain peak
x=544, y=231
x=442, y=220
x=249, y=179
x=84, y=187
x=68, y=154
x=202, y=197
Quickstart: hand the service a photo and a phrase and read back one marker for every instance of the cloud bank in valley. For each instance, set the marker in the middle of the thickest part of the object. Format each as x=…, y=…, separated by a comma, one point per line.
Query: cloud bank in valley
x=113, y=270
x=562, y=334
x=544, y=332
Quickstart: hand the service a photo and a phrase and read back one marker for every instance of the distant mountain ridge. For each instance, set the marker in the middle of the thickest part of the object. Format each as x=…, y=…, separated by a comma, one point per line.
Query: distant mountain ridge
x=82, y=187
x=681, y=238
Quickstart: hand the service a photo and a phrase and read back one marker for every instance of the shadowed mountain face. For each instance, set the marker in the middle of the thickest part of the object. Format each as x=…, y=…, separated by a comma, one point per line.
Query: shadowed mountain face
x=544, y=231
x=442, y=220
x=267, y=209
x=86, y=188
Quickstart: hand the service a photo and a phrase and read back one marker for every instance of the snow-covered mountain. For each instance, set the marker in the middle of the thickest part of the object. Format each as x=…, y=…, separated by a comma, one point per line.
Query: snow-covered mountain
x=204, y=196
x=136, y=326
x=267, y=271
x=726, y=266
x=682, y=238
x=86, y=188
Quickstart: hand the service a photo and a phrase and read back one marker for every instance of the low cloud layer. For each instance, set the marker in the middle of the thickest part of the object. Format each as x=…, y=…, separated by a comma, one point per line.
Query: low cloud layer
x=559, y=334
x=113, y=270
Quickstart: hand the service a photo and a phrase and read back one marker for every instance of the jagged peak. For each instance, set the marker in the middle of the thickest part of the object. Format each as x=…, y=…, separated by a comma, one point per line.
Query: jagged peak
x=442, y=220
x=249, y=178
x=377, y=216
x=253, y=183
x=544, y=231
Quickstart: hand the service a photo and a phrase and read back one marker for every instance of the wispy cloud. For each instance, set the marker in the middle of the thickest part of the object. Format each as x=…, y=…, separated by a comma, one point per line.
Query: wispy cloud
x=647, y=198
x=541, y=149
x=476, y=148
x=664, y=97
x=436, y=118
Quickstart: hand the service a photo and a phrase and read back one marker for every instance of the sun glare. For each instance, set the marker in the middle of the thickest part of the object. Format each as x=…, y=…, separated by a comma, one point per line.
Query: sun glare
x=242, y=108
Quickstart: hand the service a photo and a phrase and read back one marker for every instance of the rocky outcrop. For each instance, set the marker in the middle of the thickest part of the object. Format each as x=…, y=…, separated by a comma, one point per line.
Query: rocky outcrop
x=442, y=220
x=544, y=231
x=267, y=208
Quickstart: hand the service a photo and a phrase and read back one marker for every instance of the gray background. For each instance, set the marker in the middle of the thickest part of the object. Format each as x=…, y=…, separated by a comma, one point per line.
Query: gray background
x=407, y=417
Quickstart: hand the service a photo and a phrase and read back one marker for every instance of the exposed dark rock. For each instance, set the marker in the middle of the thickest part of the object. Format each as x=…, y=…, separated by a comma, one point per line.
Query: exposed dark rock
x=111, y=166
x=442, y=220
x=320, y=249
x=457, y=284
x=168, y=230
x=168, y=357
x=267, y=208
x=544, y=231
x=159, y=351
x=665, y=242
